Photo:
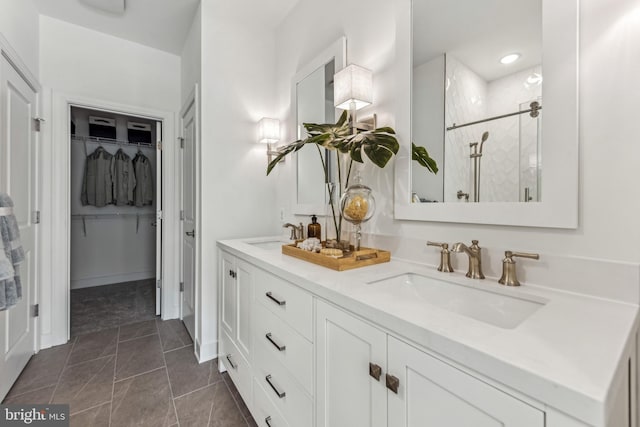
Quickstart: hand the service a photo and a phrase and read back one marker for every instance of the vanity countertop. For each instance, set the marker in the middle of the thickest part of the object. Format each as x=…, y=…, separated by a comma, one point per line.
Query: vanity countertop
x=566, y=354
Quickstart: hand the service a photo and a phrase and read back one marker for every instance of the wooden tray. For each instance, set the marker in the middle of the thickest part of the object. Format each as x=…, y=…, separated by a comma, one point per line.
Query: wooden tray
x=357, y=259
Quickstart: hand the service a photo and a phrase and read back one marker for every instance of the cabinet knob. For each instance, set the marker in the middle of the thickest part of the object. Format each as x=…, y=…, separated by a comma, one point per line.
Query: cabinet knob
x=393, y=383
x=375, y=371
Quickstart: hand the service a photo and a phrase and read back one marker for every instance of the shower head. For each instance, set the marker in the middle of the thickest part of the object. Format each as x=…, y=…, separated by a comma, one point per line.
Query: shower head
x=485, y=136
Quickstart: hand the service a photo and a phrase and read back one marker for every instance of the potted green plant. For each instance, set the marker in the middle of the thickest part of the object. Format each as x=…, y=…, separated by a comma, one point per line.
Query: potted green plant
x=379, y=145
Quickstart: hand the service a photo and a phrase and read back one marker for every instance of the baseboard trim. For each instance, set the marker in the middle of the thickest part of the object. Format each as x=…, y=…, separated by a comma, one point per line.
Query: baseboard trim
x=207, y=351
x=110, y=279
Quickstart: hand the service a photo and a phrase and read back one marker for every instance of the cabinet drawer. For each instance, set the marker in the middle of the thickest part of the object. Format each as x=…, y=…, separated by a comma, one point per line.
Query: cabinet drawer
x=285, y=345
x=285, y=300
x=264, y=411
x=237, y=367
x=283, y=390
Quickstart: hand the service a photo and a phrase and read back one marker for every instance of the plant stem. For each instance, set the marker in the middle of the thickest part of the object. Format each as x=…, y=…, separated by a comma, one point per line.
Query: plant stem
x=330, y=189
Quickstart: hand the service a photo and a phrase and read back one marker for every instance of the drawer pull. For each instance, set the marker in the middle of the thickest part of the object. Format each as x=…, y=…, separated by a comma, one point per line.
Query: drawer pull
x=233, y=365
x=275, y=344
x=267, y=421
x=393, y=383
x=375, y=371
x=280, y=394
x=274, y=299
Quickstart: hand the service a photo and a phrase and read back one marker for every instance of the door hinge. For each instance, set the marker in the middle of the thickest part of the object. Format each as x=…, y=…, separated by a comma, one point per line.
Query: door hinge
x=159, y=145
x=36, y=217
x=181, y=139
x=37, y=122
x=181, y=215
x=36, y=310
x=181, y=286
x=158, y=284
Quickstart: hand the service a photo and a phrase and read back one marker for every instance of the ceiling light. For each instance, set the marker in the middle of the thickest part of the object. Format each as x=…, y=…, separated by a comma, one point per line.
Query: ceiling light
x=111, y=6
x=509, y=59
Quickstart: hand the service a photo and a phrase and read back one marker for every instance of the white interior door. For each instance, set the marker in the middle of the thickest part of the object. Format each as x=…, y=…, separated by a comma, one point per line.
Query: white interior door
x=189, y=232
x=159, y=218
x=18, y=178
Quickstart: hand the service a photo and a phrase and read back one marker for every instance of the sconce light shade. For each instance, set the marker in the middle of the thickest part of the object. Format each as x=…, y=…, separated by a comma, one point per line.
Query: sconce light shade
x=268, y=130
x=353, y=84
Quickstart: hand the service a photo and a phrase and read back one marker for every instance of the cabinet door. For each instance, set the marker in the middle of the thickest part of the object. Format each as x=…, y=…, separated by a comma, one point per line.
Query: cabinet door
x=244, y=284
x=435, y=394
x=346, y=394
x=228, y=292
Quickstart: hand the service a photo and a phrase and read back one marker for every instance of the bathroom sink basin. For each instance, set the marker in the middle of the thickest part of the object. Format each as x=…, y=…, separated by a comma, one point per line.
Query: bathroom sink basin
x=504, y=311
x=268, y=245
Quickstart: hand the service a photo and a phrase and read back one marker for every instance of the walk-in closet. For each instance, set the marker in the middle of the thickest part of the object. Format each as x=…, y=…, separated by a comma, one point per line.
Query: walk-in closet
x=114, y=199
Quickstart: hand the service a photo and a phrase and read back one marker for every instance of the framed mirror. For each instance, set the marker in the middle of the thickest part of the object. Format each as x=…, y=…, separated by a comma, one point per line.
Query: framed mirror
x=312, y=102
x=490, y=89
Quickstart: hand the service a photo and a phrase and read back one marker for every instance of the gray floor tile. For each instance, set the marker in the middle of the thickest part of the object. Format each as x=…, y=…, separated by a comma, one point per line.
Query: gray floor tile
x=138, y=355
x=86, y=384
x=173, y=334
x=40, y=396
x=186, y=374
x=42, y=370
x=94, y=345
x=137, y=330
x=211, y=406
x=144, y=400
x=94, y=417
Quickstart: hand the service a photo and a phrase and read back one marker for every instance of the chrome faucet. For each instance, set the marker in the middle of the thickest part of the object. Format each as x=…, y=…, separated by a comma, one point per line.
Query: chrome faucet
x=474, y=252
x=297, y=232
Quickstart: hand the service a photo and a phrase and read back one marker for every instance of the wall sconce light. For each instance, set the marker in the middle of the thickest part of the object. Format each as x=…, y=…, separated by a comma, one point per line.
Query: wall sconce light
x=353, y=90
x=269, y=133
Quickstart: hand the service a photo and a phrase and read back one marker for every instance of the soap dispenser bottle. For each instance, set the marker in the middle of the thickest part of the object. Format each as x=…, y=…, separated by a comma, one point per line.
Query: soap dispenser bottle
x=314, y=229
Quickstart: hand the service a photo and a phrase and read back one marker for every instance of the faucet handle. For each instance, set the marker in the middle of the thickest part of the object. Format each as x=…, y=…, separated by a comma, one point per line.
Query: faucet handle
x=440, y=245
x=509, y=276
x=445, y=257
x=509, y=254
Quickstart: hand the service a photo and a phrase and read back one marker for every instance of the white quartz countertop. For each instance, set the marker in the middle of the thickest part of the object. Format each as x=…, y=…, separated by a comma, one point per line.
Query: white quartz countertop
x=567, y=354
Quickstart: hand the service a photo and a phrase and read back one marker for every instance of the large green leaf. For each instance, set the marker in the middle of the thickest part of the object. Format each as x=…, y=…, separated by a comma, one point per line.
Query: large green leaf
x=379, y=145
x=284, y=151
x=421, y=155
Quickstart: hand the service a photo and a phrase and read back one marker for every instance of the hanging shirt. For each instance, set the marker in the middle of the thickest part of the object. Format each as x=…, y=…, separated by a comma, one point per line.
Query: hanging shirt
x=97, y=184
x=143, y=194
x=124, y=181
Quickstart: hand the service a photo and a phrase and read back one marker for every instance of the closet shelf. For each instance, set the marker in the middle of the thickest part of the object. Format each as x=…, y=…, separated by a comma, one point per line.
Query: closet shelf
x=121, y=142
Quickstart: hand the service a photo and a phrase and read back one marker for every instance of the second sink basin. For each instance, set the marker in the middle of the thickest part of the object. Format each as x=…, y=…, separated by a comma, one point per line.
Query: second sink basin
x=497, y=309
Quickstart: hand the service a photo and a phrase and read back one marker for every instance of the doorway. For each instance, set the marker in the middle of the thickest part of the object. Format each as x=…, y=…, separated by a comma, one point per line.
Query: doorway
x=115, y=256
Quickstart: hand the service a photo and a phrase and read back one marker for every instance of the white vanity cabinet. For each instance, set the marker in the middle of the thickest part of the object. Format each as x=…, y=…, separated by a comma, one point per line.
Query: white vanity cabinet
x=309, y=348
x=236, y=284
x=368, y=378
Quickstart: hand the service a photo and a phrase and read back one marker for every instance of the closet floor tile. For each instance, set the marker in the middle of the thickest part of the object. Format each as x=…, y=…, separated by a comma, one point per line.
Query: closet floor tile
x=137, y=330
x=186, y=374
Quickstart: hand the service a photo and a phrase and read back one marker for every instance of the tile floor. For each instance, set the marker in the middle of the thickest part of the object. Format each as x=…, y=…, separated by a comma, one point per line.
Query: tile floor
x=141, y=374
x=110, y=306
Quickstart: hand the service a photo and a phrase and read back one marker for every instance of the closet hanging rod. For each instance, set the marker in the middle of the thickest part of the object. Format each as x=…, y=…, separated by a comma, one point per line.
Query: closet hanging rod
x=113, y=215
x=97, y=140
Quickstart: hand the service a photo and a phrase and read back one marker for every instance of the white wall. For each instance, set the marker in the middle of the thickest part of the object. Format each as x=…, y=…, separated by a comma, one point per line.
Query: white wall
x=609, y=206
x=191, y=58
x=238, y=200
x=84, y=62
x=19, y=25
x=91, y=68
